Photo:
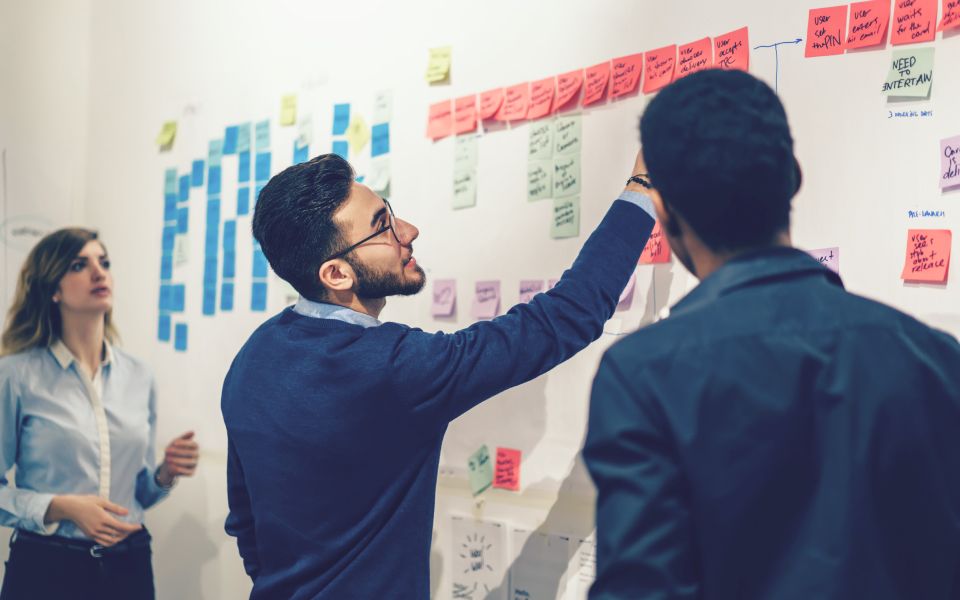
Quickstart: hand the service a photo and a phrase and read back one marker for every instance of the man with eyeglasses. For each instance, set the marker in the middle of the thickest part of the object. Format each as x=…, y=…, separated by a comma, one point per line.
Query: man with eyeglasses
x=335, y=420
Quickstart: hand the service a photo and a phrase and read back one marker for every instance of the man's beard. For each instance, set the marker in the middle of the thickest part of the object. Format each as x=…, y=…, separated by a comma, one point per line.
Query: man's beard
x=373, y=283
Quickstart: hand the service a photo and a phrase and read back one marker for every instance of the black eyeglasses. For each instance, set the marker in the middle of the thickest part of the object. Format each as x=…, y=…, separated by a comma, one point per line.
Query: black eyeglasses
x=391, y=226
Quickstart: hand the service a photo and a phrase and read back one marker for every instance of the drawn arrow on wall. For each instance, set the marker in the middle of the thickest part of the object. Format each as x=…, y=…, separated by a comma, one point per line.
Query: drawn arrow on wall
x=776, y=53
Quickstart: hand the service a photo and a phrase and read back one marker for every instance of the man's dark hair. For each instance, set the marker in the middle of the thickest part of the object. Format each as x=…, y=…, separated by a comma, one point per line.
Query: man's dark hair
x=293, y=220
x=718, y=149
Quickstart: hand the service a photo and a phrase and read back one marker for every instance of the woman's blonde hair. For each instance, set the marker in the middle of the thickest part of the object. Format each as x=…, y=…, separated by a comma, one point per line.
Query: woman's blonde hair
x=34, y=318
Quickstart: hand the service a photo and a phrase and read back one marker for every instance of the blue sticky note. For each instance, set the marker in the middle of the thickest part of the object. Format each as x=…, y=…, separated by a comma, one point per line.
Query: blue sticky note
x=166, y=296
x=229, y=235
x=243, y=137
x=262, y=136
x=180, y=337
x=259, y=263
x=178, y=297
x=229, y=264
x=360, y=178
x=170, y=207
x=170, y=181
x=226, y=296
x=258, y=298
x=380, y=139
x=230, y=135
x=243, y=166
x=260, y=187
x=166, y=267
x=213, y=213
x=167, y=240
x=184, y=188
x=341, y=118
x=215, y=153
x=196, y=175
x=209, y=298
x=183, y=219
x=263, y=166
x=163, y=328
x=301, y=154
x=243, y=201
x=340, y=147
x=213, y=181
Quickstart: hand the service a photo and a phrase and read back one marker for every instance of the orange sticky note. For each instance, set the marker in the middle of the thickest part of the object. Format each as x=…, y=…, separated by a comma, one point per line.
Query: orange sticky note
x=568, y=87
x=928, y=255
x=732, y=50
x=694, y=57
x=465, y=114
x=951, y=15
x=660, y=66
x=869, y=22
x=626, y=74
x=514, y=107
x=440, y=123
x=826, y=31
x=657, y=249
x=506, y=471
x=541, y=98
x=913, y=21
x=595, y=83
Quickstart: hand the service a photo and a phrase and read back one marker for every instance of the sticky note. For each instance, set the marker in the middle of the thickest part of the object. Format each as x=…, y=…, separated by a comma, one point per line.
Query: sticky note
x=178, y=297
x=950, y=162
x=243, y=137
x=180, y=337
x=539, y=179
x=490, y=103
x=230, y=135
x=341, y=148
x=465, y=114
x=568, y=88
x=163, y=328
x=595, y=83
x=440, y=120
x=914, y=21
x=657, y=249
x=262, y=135
x=438, y=66
x=167, y=134
x=358, y=135
x=732, y=50
x=196, y=173
x=826, y=31
x=170, y=181
x=486, y=300
x=184, y=191
x=288, y=110
x=258, y=297
x=380, y=139
x=213, y=181
x=464, y=189
x=262, y=169
x=869, y=22
x=209, y=304
x=951, y=15
x=301, y=154
x=480, y=470
x=529, y=288
x=659, y=69
x=928, y=256
x=226, y=296
x=305, y=130
x=514, y=106
x=541, y=141
x=444, y=298
x=382, y=107
x=341, y=118
x=465, y=152
x=626, y=74
x=183, y=220
x=378, y=178
x=694, y=57
x=215, y=153
x=828, y=257
x=911, y=73
x=567, y=135
x=541, y=98
x=565, y=221
x=566, y=175
x=243, y=166
x=626, y=296
x=506, y=474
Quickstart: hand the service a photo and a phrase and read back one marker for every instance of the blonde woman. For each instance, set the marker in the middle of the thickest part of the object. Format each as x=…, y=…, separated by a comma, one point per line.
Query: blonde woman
x=78, y=419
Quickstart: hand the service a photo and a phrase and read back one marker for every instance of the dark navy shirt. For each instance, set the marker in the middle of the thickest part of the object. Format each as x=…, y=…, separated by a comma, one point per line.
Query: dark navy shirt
x=776, y=438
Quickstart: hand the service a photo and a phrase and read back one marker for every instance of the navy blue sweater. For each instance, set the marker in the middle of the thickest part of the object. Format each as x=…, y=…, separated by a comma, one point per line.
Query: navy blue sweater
x=335, y=429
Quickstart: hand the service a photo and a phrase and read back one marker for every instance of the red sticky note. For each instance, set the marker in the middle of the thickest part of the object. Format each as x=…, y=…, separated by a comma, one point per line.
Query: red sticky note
x=465, y=114
x=826, y=31
x=490, y=103
x=506, y=471
x=694, y=57
x=568, y=86
x=732, y=50
x=440, y=123
x=626, y=74
x=660, y=66
x=657, y=249
x=928, y=255
x=951, y=15
x=514, y=107
x=913, y=21
x=869, y=22
x=595, y=83
x=541, y=98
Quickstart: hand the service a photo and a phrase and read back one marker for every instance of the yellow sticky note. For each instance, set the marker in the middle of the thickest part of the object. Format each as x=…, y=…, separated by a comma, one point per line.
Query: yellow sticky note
x=358, y=134
x=438, y=69
x=288, y=110
x=167, y=134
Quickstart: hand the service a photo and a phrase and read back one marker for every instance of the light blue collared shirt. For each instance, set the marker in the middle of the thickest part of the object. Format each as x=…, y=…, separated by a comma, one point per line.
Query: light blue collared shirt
x=640, y=199
x=49, y=430
x=324, y=310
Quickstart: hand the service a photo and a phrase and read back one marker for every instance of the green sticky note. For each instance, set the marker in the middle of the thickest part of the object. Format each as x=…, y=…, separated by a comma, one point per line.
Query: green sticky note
x=170, y=181
x=215, y=153
x=541, y=140
x=539, y=179
x=480, y=468
x=566, y=175
x=262, y=135
x=567, y=135
x=566, y=218
x=243, y=137
x=911, y=73
x=167, y=134
x=465, y=152
x=288, y=110
x=464, y=188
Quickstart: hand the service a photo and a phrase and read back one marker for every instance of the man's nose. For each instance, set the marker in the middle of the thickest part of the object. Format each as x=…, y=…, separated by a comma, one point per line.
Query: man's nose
x=406, y=232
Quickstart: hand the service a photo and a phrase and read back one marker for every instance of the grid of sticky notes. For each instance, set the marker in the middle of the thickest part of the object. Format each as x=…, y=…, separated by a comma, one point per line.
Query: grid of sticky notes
x=553, y=171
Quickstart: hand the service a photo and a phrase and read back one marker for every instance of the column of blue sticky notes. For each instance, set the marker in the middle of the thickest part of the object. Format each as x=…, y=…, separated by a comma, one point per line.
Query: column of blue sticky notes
x=212, y=233
x=341, y=120
x=243, y=169
x=229, y=264
x=167, y=240
x=258, y=296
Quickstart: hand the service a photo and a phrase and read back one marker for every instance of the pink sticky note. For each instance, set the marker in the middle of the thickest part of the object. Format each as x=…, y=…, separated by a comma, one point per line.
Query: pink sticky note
x=626, y=296
x=626, y=74
x=514, y=106
x=530, y=288
x=568, y=87
x=868, y=23
x=914, y=21
x=444, y=297
x=465, y=115
x=660, y=65
x=950, y=162
x=828, y=257
x=732, y=50
x=506, y=471
x=657, y=249
x=595, y=83
x=694, y=57
x=826, y=31
x=928, y=256
x=541, y=98
x=490, y=103
x=486, y=300
x=440, y=123
x=951, y=15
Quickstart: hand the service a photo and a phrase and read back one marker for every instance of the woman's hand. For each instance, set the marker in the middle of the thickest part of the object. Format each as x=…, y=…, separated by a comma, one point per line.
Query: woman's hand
x=180, y=459
x=94, y=516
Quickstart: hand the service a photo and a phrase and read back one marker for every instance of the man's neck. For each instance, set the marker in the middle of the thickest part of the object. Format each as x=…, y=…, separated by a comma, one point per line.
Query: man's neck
x=367, y=306
x=707, y=261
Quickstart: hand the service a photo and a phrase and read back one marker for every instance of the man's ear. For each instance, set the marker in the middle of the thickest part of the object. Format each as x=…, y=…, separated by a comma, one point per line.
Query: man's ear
x=337, y=275
x=666, y=218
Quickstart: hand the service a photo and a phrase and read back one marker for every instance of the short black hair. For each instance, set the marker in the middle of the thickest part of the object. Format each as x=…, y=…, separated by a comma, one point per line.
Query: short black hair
x=719, y=151
x=293, y=220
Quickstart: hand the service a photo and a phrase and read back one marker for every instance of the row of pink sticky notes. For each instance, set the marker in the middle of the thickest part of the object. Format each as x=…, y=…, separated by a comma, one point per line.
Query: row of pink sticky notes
x=583, y=87
x=486, y=299
x=927, y=257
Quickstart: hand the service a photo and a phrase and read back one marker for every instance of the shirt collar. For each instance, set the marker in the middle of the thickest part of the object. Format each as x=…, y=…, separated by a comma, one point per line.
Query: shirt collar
x=324, y=310
x=754, y=268
x=65, y=358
